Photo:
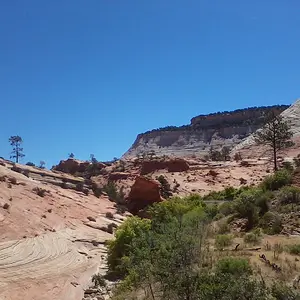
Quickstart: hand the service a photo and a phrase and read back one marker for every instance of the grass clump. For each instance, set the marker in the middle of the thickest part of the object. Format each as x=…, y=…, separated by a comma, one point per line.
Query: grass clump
x=234, y=266
x=223, y=240
x=293, y=249
x=289, y=194
x=252, y=238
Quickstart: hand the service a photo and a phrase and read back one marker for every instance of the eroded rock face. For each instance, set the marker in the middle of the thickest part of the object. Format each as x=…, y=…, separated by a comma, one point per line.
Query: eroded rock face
x=172, y=165
x=205, y=131
x=144, y=192
x=118, y=176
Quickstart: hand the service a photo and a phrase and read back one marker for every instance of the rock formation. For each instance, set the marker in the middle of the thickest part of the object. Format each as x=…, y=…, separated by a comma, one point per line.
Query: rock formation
x=144, y=192
x=205, y=131
x=172, y=165
x=72, y=166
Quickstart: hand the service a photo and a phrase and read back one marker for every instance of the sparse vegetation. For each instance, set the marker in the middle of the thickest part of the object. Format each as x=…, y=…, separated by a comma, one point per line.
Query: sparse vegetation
x=223, y=240
x=166, y=191
x=234, y=266
x=109, y=215
x=30, y=164
x=277, y=180
x=252, y=238
x=42, y=164
x=293, y=249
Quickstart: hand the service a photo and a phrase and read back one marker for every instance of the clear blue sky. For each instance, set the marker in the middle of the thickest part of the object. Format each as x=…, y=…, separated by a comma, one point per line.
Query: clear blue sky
x=87, y=76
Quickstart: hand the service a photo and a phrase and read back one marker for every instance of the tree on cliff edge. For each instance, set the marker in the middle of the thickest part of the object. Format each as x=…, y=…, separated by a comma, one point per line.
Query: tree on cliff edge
x=276, y=134
x=16, y=141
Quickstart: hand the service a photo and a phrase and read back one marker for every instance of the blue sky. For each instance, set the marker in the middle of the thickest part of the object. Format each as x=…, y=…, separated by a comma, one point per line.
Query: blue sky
x=87, y=76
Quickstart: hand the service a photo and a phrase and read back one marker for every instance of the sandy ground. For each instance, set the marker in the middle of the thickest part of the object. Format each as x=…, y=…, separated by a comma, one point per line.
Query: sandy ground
x=49, y=249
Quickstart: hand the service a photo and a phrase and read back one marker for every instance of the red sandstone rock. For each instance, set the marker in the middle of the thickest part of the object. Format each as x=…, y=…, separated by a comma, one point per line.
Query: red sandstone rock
x=73, y=166
x=172, y=165
x=144, y=192
x=118, y=176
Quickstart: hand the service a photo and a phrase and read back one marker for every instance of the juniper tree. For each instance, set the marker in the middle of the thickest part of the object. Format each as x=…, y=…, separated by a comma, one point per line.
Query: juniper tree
x=16, y=142
x=276, y=134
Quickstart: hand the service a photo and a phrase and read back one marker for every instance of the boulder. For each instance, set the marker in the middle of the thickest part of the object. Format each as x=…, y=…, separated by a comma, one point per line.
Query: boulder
x=144, y=192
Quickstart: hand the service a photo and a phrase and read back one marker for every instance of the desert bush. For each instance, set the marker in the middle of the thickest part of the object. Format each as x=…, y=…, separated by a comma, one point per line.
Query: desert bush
x=99, y=281
x=31, y=164
x=110, y=228
x=223, y=240
x=277, y=180
x=245, y=163
x=86, y=191
x=289, y=194
x=218, y=217
x=245, y=207
x=293, y=249
x=271, y=223
x=252, y=238
x=223, y=227
x=165, y=187
x=39, y=191
x=109, y=215
x=79, y=186
x=237, y=156
x=96, y=190
x=288, y=166
x=226, y=208
x=280, y=291
x=112, y=192
x=234, y=266
x=297, y=161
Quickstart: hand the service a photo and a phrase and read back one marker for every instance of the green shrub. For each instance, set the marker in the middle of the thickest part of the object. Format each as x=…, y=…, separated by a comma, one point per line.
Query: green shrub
x=223, y=240
x=271, y=223
x=226, y=208
x=120, y=247
x=277, y=180
x=287, y=165
x=165, y=189
x=234, y=266
x=223, y=227
x=218, y=217
x=251, y=238
x=289, y=194
x=245, y=206
x=294, y=249
x=99, y=281
x=280, y=291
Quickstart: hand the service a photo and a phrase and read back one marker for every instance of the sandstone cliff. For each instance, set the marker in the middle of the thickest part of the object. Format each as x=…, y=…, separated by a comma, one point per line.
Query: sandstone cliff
x=205, y=131
x=291, y=114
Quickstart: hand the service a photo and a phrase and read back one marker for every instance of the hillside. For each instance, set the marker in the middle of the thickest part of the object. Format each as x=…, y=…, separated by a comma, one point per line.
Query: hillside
x=52, y=238
x=204, y=131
